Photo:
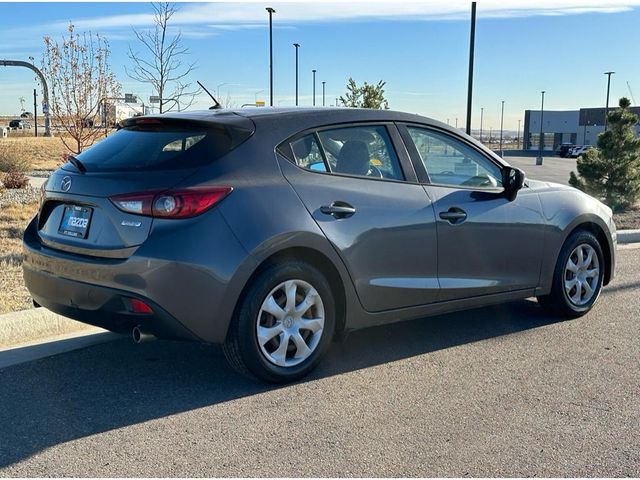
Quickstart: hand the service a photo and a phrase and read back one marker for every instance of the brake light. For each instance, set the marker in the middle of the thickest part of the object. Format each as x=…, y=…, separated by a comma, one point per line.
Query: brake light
x=171, y=203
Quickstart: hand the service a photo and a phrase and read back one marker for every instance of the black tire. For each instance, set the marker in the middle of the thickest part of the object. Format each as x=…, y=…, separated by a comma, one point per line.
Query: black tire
x=558, y=301
x=242, y=348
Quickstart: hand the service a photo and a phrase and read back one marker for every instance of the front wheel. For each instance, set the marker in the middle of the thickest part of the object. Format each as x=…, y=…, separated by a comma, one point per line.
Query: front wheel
x=577, y=278
x=283, y=325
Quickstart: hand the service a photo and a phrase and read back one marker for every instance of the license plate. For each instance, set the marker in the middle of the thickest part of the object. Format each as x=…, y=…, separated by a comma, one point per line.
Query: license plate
x=75, y=221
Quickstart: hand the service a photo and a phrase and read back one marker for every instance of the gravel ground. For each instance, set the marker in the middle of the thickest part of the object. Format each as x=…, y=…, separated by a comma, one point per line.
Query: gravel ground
x=629, y=220
x=19, y=196
x=501, y=391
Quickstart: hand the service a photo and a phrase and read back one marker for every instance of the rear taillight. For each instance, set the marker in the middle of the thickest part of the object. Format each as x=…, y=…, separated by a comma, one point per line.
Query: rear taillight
x=171, y=203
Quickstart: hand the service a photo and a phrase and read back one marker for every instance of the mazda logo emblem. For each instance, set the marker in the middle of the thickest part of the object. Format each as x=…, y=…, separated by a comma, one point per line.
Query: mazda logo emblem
x=65, y=185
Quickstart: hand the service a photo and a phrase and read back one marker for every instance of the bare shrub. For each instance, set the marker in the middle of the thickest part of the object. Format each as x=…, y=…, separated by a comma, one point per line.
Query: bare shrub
x=13, y=180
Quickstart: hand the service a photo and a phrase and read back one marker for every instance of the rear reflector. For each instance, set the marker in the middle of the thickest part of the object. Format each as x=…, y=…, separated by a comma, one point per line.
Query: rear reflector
x=171, y=203
x=138, y=306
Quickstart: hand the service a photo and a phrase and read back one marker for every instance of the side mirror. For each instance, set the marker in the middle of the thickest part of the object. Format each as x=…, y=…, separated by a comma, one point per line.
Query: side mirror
x=512, y=180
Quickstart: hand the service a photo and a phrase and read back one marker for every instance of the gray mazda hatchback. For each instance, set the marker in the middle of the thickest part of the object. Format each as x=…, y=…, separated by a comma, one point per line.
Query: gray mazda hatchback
x=271, y=231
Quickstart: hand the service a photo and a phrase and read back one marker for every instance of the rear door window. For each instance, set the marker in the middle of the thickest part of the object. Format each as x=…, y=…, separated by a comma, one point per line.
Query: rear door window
x=363, y=151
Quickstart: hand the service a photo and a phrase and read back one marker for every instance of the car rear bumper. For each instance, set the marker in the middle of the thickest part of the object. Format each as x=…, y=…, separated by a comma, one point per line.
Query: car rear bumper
x=186, y=272
x=100, y=306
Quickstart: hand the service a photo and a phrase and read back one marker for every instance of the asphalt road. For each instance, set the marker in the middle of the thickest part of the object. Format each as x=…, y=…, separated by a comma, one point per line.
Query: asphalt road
x=502, y=391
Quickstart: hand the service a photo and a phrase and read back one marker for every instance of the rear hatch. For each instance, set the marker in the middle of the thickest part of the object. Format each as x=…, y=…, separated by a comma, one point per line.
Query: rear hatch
x=80, y=211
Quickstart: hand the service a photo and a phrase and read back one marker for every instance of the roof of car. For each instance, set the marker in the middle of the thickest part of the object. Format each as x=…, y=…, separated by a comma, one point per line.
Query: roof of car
x=319, y=114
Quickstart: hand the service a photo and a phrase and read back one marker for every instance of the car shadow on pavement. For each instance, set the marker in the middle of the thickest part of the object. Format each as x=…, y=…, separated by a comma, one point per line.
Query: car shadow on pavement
x=112, y=385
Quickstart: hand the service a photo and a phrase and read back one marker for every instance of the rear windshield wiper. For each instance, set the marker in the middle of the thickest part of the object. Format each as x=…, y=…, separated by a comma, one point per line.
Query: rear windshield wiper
x=77, y=163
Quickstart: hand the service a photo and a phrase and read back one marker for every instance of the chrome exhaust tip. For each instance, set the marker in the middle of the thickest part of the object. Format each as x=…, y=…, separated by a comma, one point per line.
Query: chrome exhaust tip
x=139, y=336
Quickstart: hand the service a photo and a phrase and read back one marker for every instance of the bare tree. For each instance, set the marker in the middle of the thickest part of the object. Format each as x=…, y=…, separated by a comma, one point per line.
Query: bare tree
x=80, y=78
x=161, y=63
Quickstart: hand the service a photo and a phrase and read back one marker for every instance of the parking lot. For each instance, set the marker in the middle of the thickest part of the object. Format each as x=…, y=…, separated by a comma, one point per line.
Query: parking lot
x=553, y=169
x=505, y=390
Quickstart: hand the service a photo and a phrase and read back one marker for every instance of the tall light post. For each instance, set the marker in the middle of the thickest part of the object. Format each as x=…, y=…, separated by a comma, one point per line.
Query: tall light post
x=539, y=159
x=606, y=108
x=323, y=85
x=518, y=136
x=271, y=12
x=314, y=87
x=501, y=128
x=472, y=39
x=481, y=115
x=296, y=45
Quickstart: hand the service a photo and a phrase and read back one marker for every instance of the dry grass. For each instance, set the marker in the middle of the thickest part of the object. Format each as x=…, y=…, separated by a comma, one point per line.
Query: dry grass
x=43, y=153
x=13, y=220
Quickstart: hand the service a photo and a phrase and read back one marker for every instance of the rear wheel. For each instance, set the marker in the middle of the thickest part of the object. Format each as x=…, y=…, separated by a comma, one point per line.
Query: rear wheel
x=283, y=325
x=577, y=278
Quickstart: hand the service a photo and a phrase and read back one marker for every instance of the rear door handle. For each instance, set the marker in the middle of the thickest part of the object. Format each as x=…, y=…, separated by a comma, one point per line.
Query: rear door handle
x=338, y=209
x=454, y=215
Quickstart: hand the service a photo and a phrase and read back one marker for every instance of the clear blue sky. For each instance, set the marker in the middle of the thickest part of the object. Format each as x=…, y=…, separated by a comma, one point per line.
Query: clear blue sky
x=419, y=49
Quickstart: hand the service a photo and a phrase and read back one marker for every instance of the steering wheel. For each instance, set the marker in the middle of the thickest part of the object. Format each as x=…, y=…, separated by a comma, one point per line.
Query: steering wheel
x=447, y=172
x=374, y=172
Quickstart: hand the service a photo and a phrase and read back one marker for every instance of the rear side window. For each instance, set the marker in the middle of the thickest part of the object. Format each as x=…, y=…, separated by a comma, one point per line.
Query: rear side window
x=156, y=149
x=306, y=153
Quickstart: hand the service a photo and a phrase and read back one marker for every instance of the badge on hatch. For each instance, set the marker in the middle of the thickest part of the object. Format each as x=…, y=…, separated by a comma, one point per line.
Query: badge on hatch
x=130, y=223
x=65, y=184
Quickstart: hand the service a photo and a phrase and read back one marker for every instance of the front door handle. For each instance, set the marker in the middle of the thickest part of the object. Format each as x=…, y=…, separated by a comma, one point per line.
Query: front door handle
x=454, y=215
x=338, y=209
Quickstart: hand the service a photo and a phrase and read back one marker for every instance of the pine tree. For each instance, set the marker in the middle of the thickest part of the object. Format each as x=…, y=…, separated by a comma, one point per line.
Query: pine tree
x=612, y=171
x=366, y=96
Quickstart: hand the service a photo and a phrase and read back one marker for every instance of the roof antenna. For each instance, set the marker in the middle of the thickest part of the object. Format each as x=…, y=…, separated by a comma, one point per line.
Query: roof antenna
x=217, y=106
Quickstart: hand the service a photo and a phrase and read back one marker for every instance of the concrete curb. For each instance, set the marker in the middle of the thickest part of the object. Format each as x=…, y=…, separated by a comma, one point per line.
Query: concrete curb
x=628, y=236
x=36, y=323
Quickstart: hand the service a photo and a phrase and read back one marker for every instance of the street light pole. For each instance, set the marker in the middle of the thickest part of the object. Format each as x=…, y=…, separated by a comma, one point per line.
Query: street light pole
x=297, y=45
x=323, y=84
x=539, y=159
x=518, y=136
x=481, y=115
x=472, y=39
x=501, y=127
x=314, y=87
x=35, y=111
x=271, y=12
x=606, y=109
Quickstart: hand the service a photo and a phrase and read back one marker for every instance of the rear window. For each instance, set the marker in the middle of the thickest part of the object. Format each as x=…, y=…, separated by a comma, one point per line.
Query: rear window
x=169, y=148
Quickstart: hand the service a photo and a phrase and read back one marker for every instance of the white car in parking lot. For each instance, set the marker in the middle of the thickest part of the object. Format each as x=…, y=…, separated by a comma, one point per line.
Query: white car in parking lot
x=579, y=150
